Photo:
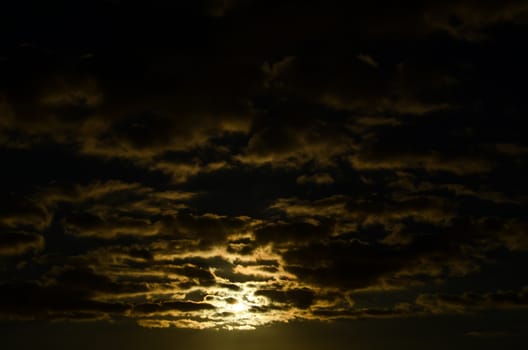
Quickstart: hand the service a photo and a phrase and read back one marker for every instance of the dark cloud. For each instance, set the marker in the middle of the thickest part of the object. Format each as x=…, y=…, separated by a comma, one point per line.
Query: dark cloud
x=470, y=302
x=384, y=155
x=20, y=212
x=84, y=224
x=170, y=306
x=467, y=19
x=85, y=281
x=283, y=232
x=301, y=298
x=369, y=211
x=400, y=310
x=207, y=228
x=31, y=301
x=320, y=179
x=203, y=276
x=404, y=257
x=342, y=265
x=19, y=243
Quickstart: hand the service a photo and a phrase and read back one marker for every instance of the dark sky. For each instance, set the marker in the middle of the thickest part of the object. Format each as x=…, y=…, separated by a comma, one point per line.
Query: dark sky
x=250, y=174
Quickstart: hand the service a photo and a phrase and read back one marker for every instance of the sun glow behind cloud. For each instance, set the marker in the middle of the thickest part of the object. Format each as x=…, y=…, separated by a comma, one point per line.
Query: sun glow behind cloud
x=237, y=307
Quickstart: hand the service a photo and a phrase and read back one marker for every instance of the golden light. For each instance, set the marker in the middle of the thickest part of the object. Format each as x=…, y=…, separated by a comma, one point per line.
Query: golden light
x=238, y=307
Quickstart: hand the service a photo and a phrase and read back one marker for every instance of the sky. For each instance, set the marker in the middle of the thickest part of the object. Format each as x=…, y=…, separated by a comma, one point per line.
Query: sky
x=250, y=174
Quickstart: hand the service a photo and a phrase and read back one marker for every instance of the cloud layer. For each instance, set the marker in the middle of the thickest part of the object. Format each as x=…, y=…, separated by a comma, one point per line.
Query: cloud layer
x=231, y=164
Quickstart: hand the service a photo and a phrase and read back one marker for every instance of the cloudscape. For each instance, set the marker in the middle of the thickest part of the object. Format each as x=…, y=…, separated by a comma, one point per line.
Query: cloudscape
x=252, y=174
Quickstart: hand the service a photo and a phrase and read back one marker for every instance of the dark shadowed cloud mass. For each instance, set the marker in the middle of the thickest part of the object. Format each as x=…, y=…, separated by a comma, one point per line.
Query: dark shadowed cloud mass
x=236, y=165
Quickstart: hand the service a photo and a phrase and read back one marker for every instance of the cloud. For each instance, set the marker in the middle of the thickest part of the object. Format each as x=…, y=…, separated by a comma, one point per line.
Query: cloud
x=20, y=243
x=301, y=298
x=469, y=19
x=347, y=266
x=83, y=280
x=150, y=134
x=471, y=302
x=182, y=171
x=319, y=179
x=329, y=206
x=183, y=323
x=90, y=225
x=92, y=109
x=201, y=275
x=31, y=301
x=398, y=311
x=368, y=60
x=219, y=8
x=208, y=228
x=104, y=196
x=296, y=232
x=169, y=307
x=403, y=258
x=348, y=84
x=426, y=208
x=291, y=145
x=80, y=193
x=409, y=184
x=102, y=209
x=429, y=161
x=22, y=212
